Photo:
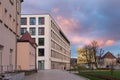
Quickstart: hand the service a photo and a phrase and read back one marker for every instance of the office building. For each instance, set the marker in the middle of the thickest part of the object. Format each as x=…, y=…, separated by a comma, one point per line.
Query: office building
x=53, y=51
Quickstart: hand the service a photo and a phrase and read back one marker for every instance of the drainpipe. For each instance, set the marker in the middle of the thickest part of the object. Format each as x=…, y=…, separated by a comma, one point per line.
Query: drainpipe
x=16, y=39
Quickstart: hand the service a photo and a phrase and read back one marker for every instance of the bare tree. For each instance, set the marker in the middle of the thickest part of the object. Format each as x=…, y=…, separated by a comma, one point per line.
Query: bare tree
x=94, y=48
x=99, y=57
x=89, y=55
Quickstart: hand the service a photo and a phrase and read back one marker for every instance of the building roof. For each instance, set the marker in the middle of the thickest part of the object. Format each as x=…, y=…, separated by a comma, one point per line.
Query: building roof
x=108, y=55
x=26, y=37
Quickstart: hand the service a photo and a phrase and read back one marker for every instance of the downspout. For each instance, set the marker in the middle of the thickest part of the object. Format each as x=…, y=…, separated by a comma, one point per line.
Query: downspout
x=16, y=39
x=35, y=59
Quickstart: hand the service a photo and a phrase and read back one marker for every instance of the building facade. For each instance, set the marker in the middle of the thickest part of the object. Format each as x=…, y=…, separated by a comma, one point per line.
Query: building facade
x=9, y=32
x=53, y=51
x=26, y=53
x=108, y=60
x=81, y=58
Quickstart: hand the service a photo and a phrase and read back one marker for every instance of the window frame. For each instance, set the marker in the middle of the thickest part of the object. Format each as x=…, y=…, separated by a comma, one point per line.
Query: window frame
x=41, y=20
x=43, y=42
x=41, y=31
x=31, y=21
x=43, y=52
x=33, y=31
x=25, y=20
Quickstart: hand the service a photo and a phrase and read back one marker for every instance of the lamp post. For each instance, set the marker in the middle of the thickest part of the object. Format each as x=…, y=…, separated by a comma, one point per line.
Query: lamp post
x=70, y=61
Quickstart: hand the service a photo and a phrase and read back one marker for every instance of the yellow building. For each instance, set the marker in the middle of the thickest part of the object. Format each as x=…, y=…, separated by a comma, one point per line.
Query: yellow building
x=86, y=58
x=81, y=57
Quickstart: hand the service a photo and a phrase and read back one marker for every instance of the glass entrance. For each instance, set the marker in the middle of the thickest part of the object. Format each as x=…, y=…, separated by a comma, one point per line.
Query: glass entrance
x=41, y=65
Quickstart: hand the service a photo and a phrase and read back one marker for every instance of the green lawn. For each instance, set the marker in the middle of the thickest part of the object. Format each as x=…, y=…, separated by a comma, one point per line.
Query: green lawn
x=116, y=73
x=90, y=77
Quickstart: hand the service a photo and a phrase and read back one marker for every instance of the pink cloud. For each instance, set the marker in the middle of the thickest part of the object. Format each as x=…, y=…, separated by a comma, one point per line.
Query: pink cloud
x=68, y=25
x=109, y=42
x=80, y=40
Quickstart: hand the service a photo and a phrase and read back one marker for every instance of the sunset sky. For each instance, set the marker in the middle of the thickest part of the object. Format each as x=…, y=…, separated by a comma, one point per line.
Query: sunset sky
x=83, y=20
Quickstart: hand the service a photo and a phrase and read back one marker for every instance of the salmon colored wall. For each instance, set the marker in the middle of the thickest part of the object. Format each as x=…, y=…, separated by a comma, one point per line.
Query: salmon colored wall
x=26, y=56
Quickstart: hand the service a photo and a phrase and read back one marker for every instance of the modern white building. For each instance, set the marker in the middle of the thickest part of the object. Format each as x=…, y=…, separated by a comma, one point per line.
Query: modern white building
x=53, y=51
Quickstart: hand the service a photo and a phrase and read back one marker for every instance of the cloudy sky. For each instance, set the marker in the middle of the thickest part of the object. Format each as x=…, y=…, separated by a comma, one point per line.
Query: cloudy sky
x=83, y=21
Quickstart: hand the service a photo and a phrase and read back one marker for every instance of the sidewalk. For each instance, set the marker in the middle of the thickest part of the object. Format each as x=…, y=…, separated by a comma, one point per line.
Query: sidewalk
x=54, y=75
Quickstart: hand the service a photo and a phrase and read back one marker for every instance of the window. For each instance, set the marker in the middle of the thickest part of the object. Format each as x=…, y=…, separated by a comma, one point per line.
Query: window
x=23, y=30
x=23, y=21
x=40, y=31
x=41, y=52
x=41, y=41
x=41, y=65
x=32, y=21
x=1, y=48
x=32, y=31
x=41, y=20
x=10, y=56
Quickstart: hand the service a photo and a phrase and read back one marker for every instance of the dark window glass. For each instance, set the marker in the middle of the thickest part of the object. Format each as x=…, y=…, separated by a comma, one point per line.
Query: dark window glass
x=23, y=30
x=32, y=21
x=40, y=31
x=41, y=21
x=23, y=21
x=41, y=52
x=32, y=31
x=41, y=41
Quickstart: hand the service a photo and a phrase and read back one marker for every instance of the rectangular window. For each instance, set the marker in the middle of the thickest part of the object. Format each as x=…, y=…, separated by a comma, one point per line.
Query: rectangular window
x=10, y=56
x=32, y=31
x=32, y=21
x=40, y=31
x=41, y=21
x=23, y=30
x=41, y=41
x=23, y=21
x=41, y=65
x=41, y=52
x=1, y=48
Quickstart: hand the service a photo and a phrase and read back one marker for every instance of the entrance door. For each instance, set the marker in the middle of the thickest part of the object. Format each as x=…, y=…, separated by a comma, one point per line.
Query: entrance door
x=41, y=65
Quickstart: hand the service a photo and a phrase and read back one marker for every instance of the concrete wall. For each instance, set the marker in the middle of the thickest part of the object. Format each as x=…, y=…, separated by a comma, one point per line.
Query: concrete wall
x=26, y=56
x=8, y=31
x=109, y=62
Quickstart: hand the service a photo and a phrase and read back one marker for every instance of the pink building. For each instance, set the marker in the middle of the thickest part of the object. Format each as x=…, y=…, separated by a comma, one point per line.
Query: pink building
x=9, y=33
x=26, y=53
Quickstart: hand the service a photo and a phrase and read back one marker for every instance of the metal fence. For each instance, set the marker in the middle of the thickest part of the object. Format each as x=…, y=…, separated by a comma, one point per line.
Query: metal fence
x=9, y=68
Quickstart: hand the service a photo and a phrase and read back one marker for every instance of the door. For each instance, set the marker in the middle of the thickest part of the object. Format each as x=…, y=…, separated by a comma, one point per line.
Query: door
x=10, y=60
x=41, y=65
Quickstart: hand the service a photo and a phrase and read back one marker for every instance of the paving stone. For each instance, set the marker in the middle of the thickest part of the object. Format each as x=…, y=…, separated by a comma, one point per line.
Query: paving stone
x=54, y=75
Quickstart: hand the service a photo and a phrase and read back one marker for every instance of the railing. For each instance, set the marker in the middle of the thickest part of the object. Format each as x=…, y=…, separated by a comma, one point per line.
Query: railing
x=9, y=68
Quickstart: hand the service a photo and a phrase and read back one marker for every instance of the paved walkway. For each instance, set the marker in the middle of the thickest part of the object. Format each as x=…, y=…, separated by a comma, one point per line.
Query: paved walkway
x=53, y=75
